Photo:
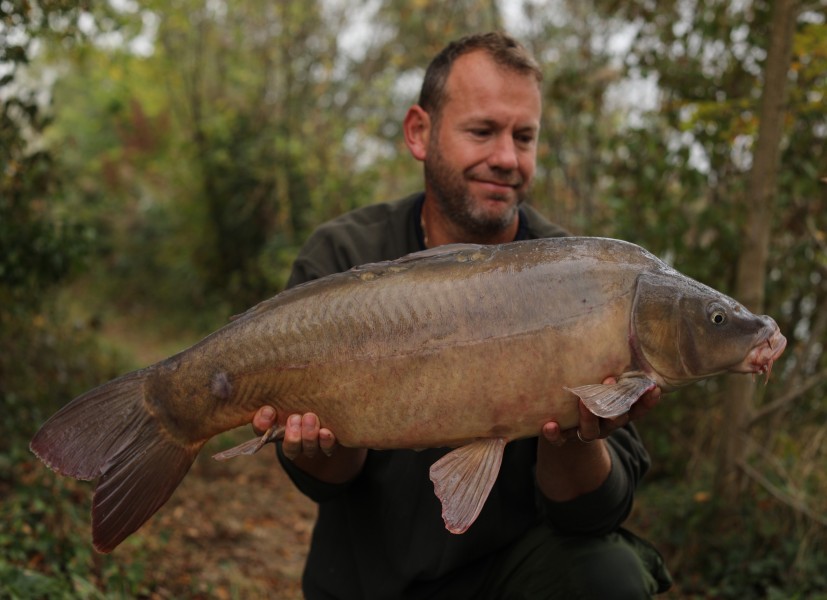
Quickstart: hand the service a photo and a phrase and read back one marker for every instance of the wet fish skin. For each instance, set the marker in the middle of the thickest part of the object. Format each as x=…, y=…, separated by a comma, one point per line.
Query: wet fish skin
x=464, y=346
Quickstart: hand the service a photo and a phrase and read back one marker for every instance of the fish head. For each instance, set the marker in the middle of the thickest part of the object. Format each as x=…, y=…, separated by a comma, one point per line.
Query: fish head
x=683, y=331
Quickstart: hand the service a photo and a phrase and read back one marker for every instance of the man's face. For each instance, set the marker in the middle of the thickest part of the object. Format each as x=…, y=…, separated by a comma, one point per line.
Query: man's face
x=482, y=152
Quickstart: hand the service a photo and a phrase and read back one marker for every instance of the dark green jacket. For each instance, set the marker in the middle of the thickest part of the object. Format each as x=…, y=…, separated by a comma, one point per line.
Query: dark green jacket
x=382, y=535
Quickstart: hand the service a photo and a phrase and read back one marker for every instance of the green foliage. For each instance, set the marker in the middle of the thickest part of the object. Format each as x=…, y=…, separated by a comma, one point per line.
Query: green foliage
x=44, y=541
x=44, y=519
x=731, y=552
x=44, y=360
x=36, y=251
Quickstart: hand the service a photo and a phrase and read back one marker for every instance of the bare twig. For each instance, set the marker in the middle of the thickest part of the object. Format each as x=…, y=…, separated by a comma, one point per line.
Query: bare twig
x=780, y=495
x=787, y=398
x=815, y=234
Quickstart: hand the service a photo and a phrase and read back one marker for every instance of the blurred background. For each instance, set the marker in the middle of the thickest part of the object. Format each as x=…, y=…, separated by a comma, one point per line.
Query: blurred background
x=161, y=163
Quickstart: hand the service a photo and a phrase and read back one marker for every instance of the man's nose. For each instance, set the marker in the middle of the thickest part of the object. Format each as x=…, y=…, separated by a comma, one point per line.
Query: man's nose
x=504, y=153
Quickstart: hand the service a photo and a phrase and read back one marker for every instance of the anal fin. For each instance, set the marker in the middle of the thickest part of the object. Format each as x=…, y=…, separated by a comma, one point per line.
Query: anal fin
x=463, y=479
x=251, y=446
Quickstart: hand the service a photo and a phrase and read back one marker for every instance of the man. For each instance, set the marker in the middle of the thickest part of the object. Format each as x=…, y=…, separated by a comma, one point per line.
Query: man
x=551, y=525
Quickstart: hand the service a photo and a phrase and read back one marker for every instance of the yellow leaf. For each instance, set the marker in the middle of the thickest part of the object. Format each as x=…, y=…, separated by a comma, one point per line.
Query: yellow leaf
x=701, y=497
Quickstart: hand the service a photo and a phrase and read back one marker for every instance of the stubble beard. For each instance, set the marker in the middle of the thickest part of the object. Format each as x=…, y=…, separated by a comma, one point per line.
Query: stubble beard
x=454, y=200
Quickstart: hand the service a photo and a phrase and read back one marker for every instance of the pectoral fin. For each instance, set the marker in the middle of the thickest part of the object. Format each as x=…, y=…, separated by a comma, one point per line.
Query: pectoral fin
x=610, y=401
x=251, y=446
x=463, y=478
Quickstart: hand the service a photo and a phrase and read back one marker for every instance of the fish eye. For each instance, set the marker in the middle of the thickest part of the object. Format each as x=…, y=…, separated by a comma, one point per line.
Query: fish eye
x=718, y=317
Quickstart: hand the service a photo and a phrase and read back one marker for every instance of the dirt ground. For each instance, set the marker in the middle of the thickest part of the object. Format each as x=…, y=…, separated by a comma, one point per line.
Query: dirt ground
x=235, y=529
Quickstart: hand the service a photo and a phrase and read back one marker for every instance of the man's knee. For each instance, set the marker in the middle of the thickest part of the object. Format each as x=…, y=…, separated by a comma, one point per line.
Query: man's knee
x=609, y=569
x=618, y=566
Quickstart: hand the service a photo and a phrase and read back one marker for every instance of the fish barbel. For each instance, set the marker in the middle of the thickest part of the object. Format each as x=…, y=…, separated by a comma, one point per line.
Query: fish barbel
x=462, y=346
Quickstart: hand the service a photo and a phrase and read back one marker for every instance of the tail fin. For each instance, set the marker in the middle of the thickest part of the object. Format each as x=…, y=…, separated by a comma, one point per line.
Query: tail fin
x=109, y=433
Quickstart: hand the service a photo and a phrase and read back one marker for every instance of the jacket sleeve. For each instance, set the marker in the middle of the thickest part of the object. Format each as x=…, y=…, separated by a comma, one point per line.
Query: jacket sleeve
x=603, y=510
x=317, y=491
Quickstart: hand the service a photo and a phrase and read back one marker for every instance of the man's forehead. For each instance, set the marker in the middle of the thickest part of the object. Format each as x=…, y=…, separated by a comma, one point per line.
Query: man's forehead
x=477, y=85
x=470, y=66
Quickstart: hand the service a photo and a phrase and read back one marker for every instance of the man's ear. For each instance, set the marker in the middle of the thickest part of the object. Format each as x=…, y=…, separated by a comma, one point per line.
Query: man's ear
x=417, y=129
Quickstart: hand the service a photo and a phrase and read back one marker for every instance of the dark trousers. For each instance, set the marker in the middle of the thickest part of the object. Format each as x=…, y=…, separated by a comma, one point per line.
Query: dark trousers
x=545, y=565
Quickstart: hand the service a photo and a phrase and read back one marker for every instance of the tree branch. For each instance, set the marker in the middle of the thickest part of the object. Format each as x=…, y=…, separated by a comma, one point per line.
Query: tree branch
x=787, y=398
x=780, y=495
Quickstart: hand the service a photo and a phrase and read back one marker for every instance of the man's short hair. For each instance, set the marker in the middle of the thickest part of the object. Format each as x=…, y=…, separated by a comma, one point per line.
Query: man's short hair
x=502, y=48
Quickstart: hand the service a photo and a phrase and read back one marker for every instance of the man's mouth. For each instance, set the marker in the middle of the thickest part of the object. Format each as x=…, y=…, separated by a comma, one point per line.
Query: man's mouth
x=497, y=186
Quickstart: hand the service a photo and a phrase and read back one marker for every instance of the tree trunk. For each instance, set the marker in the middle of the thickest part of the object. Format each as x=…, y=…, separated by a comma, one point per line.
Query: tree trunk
x=752, y=262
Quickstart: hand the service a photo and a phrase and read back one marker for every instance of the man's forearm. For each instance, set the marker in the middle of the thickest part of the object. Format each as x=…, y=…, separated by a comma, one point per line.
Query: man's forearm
x=573, y=469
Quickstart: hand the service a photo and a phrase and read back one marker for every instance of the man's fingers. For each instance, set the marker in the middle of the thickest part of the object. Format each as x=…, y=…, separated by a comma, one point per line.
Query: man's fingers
x=326, y=441
x=310, y=435
x=264, y=419
x=589, y=427
x=291, y=445
x=552, y=432
x=303, y=435
x=646, y=403
x=592, y=427
x=643, y=405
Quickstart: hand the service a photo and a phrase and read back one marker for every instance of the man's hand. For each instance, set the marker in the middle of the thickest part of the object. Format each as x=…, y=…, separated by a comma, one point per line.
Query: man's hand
x=302, y=433
x=311, y=447
x=592, y=427
x=568, y=470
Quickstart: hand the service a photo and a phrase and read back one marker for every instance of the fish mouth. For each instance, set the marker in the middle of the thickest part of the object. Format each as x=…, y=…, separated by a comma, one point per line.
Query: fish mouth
x=761, y=358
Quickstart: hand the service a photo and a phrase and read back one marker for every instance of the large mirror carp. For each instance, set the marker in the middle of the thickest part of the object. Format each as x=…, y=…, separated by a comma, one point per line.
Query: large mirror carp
x=462, y=346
